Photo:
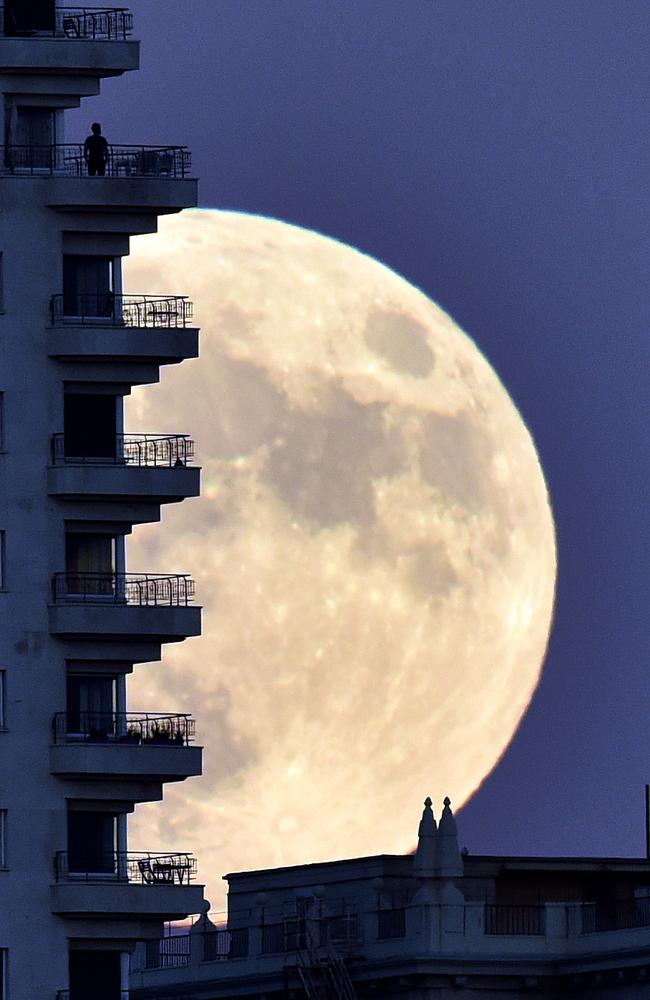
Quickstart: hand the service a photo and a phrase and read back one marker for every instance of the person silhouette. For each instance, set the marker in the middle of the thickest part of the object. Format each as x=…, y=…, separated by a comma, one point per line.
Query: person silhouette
x=96, y=152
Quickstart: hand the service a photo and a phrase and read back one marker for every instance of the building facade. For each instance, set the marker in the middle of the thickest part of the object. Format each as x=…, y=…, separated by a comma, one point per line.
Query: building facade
x=75, y=756
x=435, y=925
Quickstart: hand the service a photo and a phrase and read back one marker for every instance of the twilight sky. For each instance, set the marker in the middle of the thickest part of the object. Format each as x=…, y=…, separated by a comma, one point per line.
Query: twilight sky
x=494, y=152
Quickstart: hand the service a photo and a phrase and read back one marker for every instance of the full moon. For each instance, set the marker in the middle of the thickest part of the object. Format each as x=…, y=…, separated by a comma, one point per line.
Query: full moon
x=373, y=548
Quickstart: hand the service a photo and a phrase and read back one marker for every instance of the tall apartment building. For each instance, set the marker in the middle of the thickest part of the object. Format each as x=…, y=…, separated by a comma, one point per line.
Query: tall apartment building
x=75, y=758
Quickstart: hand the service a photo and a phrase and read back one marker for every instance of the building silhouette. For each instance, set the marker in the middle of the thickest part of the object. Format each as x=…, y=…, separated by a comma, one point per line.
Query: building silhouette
x=76, y=757
x=434, y=925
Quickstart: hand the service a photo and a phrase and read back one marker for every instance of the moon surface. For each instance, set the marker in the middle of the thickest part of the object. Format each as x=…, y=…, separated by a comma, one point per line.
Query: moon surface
x=374, y=550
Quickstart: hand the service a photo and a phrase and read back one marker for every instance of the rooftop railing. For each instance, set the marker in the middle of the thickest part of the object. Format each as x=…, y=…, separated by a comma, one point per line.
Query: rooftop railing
x=95, y=23
x=124, y=728
x=514, y=920
x=144, y=590
x=618, y=915
x=164, y=312
x=151, y=451
x=134, y=867
x=391, y=923
x=221, y=944
x=122, y=161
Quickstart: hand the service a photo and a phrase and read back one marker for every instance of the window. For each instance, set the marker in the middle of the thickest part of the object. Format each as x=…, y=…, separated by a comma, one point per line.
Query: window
x=92, y=838
x=24, y=18
x=87, y=286
x=2, y=561
x=2, y=395
x=2, y=287
x=3, y=839
x=3, y=699
x=3, y=973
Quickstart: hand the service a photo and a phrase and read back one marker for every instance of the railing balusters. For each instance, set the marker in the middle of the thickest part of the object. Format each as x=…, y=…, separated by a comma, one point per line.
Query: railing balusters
x=123, y=161
x=140, y=450
x=135, y=867
x=128, y=728
x=139, y=589
x=145, y=311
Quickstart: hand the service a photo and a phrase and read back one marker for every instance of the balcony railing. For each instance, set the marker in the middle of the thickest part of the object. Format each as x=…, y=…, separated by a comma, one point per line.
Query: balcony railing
x=136, y=868
x=124, y=728
x=151, y=451
x=514, y=920
x=163, y=312
x=618, y=915
x=391, y=924
x=95, y=23
x=123, y=161
x=221, y=944
x=144, y=590
x=168, y=952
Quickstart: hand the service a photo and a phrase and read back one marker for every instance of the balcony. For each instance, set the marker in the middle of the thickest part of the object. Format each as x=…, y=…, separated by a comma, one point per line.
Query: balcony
x=149, y=467
x=140, y=180
x=114, y=329
x=139, y=746
x=137, y=884
x=68, y=160
x=140, y=606
x=90, y=41
x=133, y=312
x=105, y=23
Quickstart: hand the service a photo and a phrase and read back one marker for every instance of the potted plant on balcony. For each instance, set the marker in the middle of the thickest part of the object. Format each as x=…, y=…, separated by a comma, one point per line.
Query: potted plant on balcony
x=132, y=736
x=160, y=733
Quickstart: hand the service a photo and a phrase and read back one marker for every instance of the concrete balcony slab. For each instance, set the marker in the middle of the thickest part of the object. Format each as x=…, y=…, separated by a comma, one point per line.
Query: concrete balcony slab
x=82, y=57
x=148, y=195
x=112, y=345
x=113, y=898
x=124, y=482
x=109, y=621
x=114, y=761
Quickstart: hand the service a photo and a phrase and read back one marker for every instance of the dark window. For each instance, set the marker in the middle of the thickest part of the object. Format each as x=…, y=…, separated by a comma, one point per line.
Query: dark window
x=89, y=426
x=91, y=842
x=87, y=286
x=90, y=708
x=26, y=16
x=95, y=974
x=90, y=563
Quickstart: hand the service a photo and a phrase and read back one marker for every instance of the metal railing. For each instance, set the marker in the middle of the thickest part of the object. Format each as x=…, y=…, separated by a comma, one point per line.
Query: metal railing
x=124, y=728
x=163, y=312
x=136, y=589
x=514, y=920
x=122, y=161
x=222, y=944
x=133, y=867
x=391, y=924
x=151, y=451
x=96, y=23
x=617, y=915
x=168, y=952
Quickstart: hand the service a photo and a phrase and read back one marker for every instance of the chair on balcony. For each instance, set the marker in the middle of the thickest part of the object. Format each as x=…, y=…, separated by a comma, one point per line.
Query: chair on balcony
x=72, y=27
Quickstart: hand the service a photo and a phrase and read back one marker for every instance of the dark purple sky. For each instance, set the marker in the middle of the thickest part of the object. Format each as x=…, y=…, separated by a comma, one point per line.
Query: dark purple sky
x=495, y=153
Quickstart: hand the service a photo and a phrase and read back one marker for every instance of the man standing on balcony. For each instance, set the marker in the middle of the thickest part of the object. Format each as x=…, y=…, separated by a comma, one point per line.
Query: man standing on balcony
x=96, y=152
